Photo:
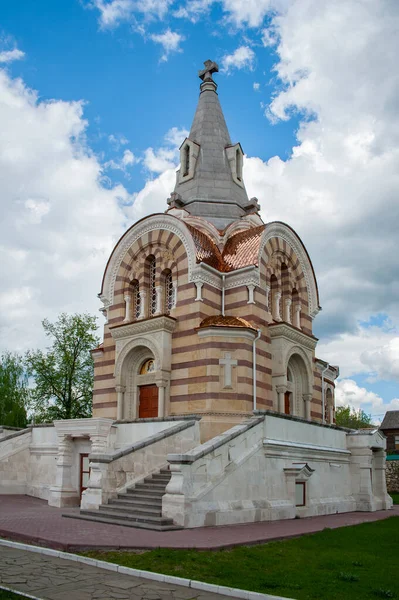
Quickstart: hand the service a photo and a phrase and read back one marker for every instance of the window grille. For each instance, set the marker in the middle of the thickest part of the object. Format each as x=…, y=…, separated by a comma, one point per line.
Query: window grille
x=169, y=293
x=136, y=300
x=153, y=292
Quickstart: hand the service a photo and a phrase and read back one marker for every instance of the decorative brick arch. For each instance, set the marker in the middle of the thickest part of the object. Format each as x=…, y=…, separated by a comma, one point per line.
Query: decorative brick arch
x=279, y=240
x=119, y=256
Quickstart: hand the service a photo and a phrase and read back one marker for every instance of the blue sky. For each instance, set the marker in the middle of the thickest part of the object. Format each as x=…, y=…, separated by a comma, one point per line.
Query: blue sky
x=128, y=90
x=94, y=100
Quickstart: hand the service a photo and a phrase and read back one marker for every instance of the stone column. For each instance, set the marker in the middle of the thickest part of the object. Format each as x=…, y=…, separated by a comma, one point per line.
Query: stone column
x=143, y=304
x=64, y=493
x=161, y=399
x=297, y=315
x=287, y=310
x=251, y=290
x=307, y=398
x=174, y=294
x=198, y=285
x=158, y=300
x=276, y=307
x=128, y=301
x=331, y=412
x=380, y=484
x=134, y=408
x=120, y=390
x=281, y=389
x=268, y=298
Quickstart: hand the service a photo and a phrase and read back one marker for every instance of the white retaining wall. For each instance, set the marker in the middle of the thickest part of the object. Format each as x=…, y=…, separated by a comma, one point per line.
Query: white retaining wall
x=249, y=474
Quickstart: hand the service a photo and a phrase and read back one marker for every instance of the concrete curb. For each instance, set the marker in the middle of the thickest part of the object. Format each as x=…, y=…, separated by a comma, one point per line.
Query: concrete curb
x=14, y=591
x=101, y=564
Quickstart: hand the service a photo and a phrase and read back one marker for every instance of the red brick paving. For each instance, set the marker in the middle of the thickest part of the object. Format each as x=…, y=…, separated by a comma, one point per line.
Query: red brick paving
x=23, y=518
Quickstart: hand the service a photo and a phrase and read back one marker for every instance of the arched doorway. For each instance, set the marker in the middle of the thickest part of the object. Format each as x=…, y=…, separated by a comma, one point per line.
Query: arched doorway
x=140, y=383
x=148, y=392
x=298, y=385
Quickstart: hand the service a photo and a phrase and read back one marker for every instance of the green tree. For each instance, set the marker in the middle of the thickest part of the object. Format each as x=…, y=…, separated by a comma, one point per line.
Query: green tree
x=13, y=390
x=345, y=416
x=63, y=374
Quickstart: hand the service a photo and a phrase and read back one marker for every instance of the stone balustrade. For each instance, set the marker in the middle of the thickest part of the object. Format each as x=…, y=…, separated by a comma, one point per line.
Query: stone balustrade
x=114, y=471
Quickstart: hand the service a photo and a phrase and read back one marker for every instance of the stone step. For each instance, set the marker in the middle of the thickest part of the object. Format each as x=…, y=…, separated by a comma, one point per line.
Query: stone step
x=158, y=478
x=104, y=512
x=165, y=470
x=136, y=524
x=151, y=486
x=129, y=508
x=131, y=501
x=152, y=494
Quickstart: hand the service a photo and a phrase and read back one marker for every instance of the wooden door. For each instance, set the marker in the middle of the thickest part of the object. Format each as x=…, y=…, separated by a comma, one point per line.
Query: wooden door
x=84, y=472
x=148, y=406
x=287, y=403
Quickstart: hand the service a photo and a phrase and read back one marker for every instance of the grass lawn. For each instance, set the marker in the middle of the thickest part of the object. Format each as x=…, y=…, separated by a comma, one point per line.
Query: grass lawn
x=350, y=563
x=395, y=498
x=9, y=595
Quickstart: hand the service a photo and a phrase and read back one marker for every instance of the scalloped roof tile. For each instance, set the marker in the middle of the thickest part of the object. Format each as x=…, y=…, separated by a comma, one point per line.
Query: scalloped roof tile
x=225, y=321
x=241, y=249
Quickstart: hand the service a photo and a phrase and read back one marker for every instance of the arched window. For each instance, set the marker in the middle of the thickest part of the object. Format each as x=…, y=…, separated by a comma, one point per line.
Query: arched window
x=152, y=292
x=168, y=292
x=329, y=407
x=239, y=164
x=136, y=299
x=275, y=298
x=186, y=160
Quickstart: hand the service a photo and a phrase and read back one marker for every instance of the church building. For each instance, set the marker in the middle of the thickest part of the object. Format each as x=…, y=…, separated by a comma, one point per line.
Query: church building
x=210, y=404
x=210, y=310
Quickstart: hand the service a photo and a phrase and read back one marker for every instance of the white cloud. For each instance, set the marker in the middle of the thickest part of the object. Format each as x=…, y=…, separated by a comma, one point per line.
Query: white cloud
x=170, y=42
x=339, y=188
x=115, y=12
x=193, y=10
x=348, y=393
x=152, y=198
x=242, y=58
x=58, y=222
x=128, y=159
x=383, y=361
x=167, y=156
x=256, y=86
x=269, y=37
x=117, y=140
x=7, y=56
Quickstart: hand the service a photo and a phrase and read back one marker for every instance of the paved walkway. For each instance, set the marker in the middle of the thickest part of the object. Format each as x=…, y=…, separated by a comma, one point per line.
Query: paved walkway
x=27, y=519
x=52, y=578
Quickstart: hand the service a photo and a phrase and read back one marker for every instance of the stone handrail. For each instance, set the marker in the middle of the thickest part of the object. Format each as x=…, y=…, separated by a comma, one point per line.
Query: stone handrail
x=214, y=443
x=117, y=470
x=201, y=476
x=156, y=437
x=14, y=434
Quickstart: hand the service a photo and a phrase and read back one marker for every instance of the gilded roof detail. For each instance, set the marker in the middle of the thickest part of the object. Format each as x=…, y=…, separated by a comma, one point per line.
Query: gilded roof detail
x=225, y=321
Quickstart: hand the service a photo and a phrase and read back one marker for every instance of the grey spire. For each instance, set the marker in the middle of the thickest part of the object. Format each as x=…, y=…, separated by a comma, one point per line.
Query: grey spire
x=209, y=183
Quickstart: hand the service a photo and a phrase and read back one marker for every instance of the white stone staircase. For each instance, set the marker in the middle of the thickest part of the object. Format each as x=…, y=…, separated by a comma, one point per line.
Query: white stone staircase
x=140, y=506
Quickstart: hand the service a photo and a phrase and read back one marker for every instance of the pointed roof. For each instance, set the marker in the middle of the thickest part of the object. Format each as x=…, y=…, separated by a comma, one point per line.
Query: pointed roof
x=210, y=184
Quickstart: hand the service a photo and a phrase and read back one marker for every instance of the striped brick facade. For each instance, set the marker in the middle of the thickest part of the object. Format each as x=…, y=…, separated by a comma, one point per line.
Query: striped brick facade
x=193, y=378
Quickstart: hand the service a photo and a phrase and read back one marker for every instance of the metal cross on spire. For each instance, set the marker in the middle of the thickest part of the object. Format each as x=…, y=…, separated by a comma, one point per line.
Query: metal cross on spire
x=210, y=68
